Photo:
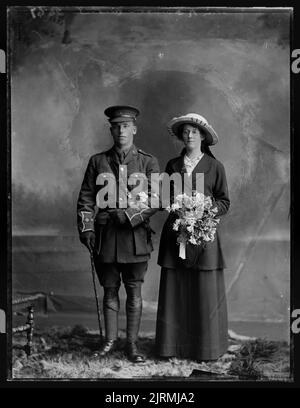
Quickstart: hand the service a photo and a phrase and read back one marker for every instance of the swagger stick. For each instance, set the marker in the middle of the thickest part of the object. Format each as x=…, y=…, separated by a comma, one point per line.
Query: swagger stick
x=96, y=294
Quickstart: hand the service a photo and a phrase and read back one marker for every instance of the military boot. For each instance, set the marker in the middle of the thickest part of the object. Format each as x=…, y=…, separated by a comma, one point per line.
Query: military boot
x=111, y=306
x=133, y=314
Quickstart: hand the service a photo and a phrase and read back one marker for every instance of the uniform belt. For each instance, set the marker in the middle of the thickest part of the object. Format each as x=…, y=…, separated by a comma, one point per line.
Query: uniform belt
x=102, y=218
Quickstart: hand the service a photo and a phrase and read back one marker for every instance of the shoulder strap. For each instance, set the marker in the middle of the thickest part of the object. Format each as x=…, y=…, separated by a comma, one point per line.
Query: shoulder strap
x=146, y=154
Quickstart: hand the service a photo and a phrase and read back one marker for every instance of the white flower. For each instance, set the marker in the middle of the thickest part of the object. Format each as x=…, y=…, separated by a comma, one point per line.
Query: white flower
x=199, y=199
x=208, y=201
x=142, y=196
x=175, y=206
x=190, y=228
x=199, y=213
x=176, y=225
x=190, y=217
x=192, y=240
x=188, y=202
x=191, y=221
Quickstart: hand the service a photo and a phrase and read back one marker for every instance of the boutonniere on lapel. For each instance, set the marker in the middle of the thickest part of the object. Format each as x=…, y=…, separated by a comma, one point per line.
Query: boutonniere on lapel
x=138, y=201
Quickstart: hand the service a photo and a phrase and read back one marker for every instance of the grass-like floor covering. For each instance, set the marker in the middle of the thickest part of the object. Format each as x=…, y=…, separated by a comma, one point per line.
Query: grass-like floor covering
x=69, y=353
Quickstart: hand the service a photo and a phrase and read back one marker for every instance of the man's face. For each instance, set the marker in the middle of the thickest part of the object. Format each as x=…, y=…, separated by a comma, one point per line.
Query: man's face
x=123, y=133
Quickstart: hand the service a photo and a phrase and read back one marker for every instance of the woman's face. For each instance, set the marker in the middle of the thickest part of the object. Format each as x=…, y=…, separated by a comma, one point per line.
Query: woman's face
x=191, y=137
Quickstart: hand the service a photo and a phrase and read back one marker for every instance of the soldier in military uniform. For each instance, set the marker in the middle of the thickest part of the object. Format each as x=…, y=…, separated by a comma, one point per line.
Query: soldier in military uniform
x=120, y=238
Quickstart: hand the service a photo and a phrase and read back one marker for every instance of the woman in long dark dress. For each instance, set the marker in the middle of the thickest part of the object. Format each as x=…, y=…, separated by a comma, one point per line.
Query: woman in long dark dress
x=192, y=311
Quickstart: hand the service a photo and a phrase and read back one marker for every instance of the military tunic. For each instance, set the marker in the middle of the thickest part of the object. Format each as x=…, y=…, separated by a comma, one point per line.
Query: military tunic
x=129, y=243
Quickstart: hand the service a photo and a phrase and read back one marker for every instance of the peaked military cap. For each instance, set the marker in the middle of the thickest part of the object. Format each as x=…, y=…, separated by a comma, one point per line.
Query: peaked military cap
x=121, y=113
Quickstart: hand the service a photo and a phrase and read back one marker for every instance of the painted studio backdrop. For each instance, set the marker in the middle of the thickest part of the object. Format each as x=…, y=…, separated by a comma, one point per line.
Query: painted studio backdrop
x=233, y=68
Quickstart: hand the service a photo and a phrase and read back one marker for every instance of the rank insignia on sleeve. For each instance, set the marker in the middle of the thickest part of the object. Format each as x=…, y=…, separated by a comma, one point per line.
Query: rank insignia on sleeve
x=87, y=221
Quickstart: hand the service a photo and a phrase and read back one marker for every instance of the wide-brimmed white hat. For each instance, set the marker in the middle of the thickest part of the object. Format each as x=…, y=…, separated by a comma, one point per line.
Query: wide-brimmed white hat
x=196, y=120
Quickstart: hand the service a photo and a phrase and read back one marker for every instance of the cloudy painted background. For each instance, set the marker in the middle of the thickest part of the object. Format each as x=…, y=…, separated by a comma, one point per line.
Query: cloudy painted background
x=232, y=68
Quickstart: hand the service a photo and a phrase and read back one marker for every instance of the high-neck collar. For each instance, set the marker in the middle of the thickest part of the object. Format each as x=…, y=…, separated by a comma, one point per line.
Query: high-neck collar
x=203, y=165
x=195, y=158
x=122, y=153
x=194, y=152
x=190, y=164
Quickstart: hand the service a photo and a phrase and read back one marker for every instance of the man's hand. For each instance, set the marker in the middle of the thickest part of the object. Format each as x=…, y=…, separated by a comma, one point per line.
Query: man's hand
x=87, y=238
x=118, y=216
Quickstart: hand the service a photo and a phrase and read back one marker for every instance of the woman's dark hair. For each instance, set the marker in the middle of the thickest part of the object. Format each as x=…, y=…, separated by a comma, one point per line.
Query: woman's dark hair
x=205, y=149
x=204, y=146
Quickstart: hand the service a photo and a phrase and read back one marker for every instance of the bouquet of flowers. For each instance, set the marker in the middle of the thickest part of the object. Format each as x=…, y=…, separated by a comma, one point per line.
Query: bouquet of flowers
x=196, y=223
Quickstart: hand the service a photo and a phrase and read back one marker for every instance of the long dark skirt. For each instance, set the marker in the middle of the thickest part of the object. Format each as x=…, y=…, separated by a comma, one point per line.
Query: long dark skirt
x=192, y=314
